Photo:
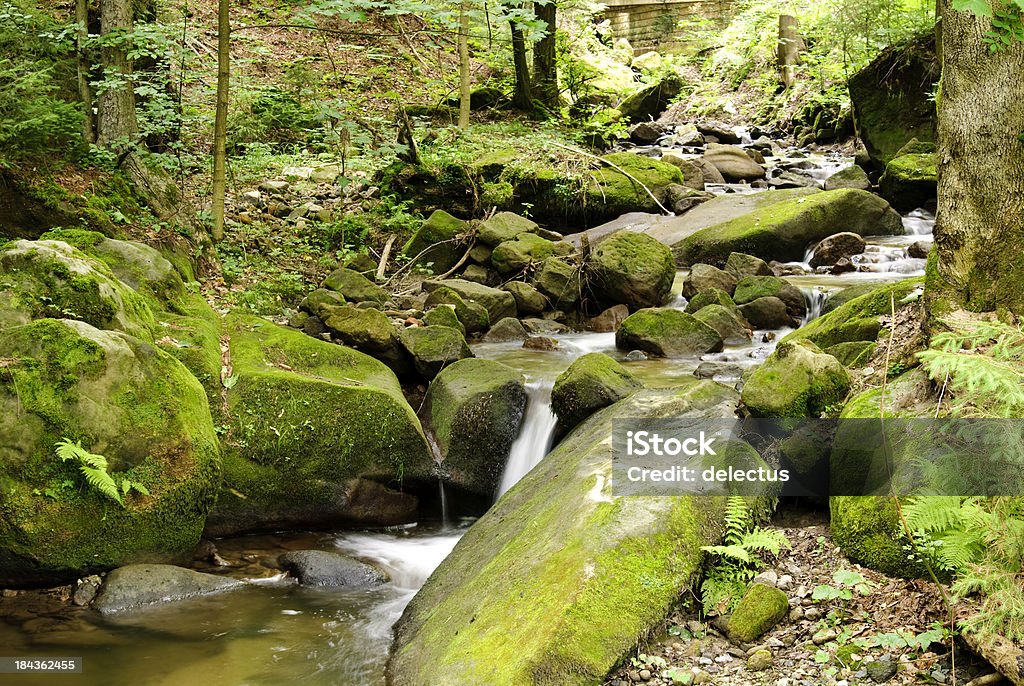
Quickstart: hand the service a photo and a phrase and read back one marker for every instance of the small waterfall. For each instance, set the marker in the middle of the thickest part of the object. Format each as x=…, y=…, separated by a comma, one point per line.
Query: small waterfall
x=919, y=223
x=814, y=299
x=445, y=521
x=535, y=436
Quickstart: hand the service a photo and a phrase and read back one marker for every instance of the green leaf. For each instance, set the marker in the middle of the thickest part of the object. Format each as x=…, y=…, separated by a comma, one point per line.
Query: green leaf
x=979, y=7
x=826, y=592
x=230, y=382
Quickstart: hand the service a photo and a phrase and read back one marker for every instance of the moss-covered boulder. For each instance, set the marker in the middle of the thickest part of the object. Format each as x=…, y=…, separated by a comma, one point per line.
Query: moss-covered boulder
x=432, y=348
x=558, y=281
x=355, y=287
x=498, y=303
x=868, y=530
x=444, y=315
x=610, y=193
x=320, y=434
x=474, y=316
x=631, y=269
x=849, y=177
x=784, y=230
x=592, y=382
x=528, y=299
x=650, y=101
x=504, y=226
x=473, y=410
x=767, y=313
x=750, y=288
x=797, y=380
x=667, y=333
x=40, y=279
x=727, y=321
x=438, y=242
x=709, y=296
x=560, y=578
x=853, y=353
x=317, y=302
x=524, y=251
x=740, y=265
x=910, y=181
x=858, y=319
x=760, y=609
x=369, y=331
x=122, y=398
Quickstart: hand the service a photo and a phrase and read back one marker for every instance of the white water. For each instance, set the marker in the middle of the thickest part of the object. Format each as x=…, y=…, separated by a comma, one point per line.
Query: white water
x=814, y=299
x=535, y=436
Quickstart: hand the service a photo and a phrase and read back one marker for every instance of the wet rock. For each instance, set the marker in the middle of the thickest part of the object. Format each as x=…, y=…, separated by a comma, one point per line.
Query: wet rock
x=135, y=586
x=741, y=265
x=609, y=320
x=837, y=246
x=797, y=380
x=766, y=313
x=547, y=327
x=704, y=276
x=632, y=269
x=850, y=177
x=667, y=333
x=636, y=356
x=750, y=288
x=733, y=163
x=541, y=343
x=919, y=249
x=85, y=590
x=507, y=329
x=592, y=382
x=324, y=568
x=842, y=266
x=528, y=299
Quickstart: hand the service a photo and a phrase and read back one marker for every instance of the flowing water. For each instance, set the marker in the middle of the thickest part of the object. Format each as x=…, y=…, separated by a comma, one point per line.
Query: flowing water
x=274, y=631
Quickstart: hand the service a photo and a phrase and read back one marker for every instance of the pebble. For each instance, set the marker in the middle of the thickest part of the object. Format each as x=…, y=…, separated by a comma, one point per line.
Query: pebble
x=796, y=614
x=824, y=636
x=768, y=578
x=785, y=583
x=645, y=674
x=881, y=671
x=759, y=661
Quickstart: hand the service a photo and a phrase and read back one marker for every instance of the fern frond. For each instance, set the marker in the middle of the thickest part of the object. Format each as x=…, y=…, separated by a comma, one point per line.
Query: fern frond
x=771, y=540
x=102, y=482
x=729, y=552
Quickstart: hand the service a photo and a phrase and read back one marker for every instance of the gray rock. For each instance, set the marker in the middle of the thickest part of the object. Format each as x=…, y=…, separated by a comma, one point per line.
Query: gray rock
x=837, y=246
x=881, y=671
x=86, y=590
x=766, y=313
x=325, y=568
x=136, y=586
x=528, y=299
x=507, y=329
x=733, y=163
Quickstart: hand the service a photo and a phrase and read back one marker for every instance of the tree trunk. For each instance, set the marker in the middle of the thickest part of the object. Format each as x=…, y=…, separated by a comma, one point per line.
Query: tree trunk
x=545, y=74
x=115, y=120
x=979, y=232
x=522, y=99
x=465, y=86
x=788, y=52
x=220, y=128
x=84, y=89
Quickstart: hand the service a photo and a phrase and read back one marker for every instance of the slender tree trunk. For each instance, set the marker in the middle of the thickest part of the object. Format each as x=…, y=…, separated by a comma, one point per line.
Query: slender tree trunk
x=465, y=86
x=523, y=97
x=788, y=51
x=115, y=118
x=84, y=89
x=220, y=128
x=979, y=231
x=545, y=74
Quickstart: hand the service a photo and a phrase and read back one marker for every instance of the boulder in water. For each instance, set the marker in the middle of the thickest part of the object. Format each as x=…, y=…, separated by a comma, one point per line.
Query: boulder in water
x=432, y=348
x=704, y=276
x=910, y=181
x=693, y=175
x=508, y=329
x=136, y=586
x=919, y=249
x=836, y=247
x=592, y=382
x=766, y=313
x=609, y=320
x=709, y=296
x=326, y=568
x=474, y=409
x=740, y=265
x=727, y=321
x=797, y=380
x=666, y=333
x=853, y=176
x=632, y=269
x=750, y=288
x=733, y=163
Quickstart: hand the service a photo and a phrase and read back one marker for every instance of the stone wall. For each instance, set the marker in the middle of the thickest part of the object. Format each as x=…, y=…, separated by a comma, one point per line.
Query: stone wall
x=654, y=24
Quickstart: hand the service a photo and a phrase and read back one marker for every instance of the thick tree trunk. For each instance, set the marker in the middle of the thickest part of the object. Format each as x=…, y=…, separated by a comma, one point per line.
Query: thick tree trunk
x=979, y=233
x=545, y=70
x=789, y=49
x=220, y=127
x=115, y=120
x=465, y=85
x=84, y=89
x=522, y=99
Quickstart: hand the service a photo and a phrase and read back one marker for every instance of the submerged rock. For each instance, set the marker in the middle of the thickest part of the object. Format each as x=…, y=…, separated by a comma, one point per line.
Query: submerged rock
x=325, y=568
x=138, y=586
x=592, y=382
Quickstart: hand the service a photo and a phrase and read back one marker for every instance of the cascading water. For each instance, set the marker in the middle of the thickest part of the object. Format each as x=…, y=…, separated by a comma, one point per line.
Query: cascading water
x=814, y=300
x=535, y=436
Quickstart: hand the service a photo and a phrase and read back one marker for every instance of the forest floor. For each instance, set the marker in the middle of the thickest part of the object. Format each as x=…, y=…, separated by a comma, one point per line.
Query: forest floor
x=887, y=631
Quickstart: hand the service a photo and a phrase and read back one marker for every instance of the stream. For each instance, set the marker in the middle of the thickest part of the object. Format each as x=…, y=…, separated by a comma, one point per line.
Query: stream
x=274, y=631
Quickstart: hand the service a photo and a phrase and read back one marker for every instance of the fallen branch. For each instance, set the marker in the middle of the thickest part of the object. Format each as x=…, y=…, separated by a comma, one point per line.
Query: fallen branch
x=618, y=169
x=461, y=262
x=1001, y=653
x=384, y=257
x=986, y=680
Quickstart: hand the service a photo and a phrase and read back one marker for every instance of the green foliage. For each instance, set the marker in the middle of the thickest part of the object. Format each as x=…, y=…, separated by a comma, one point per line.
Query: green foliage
x=1007, y=20
x=846, y=583
x=93, y=467
x=735, y=563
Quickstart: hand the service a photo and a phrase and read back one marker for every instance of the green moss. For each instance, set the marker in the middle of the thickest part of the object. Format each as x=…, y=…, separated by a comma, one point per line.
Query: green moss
x=751, y=288
x=434, y=347
x=666, y=332
x=437, y=243
x=474, y=317
x=867, y=530
x=758, y=611
x=856, y=320
x=525, y=250
x=620, y=193
x=782, y=231
x=444, y=315
x=630, y=268
x=853, y=353
x=355, y=287
x=797, y=380
x=504, y=226
x=592, y=382
x=709, y=296
x=910, y=181
x=727, y=321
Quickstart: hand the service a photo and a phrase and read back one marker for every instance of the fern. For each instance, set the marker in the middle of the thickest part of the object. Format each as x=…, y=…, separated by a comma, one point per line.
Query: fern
x=92, y=466
x=734, y=564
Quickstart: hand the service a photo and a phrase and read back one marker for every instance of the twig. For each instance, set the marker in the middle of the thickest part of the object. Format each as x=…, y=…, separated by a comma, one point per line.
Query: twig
x=986, y=680
x=616, y=168
x=460, y=262
x=384, y=256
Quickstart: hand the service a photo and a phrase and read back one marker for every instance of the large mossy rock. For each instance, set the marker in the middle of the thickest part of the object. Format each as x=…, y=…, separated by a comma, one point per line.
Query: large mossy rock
x=524, y=251
x=797, y=380
x=750, y=288
x=592, y=382
x=473, y=410
x=630, y=269
x=610, y=193
x=498, y=303
x=760, y=609
x=560, y=579
x=727, y=321
x=892, y=98
x=320, y=434
x=649, y=102
x=910, y=181
x=472, y=315
x=53, y=279
x=433, y=348
x=784, y=230
x=558, y=282
x=666, y=332
x=120, y=397
x=355, y=287
x=857, y=319
x=504, y=226
x=368, y=331
x=440, y=237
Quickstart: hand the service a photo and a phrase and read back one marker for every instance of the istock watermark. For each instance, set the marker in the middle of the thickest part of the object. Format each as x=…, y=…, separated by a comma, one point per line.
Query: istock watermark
x=818, y=457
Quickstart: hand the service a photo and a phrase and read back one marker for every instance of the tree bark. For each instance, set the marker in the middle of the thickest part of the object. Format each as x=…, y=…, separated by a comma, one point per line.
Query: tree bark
x=220, y=128
x=84, y=89
x=545, y=70
x=979, y=233
x=788, y=52
x=465, y=85
x=522, y=99
x=115, y=119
